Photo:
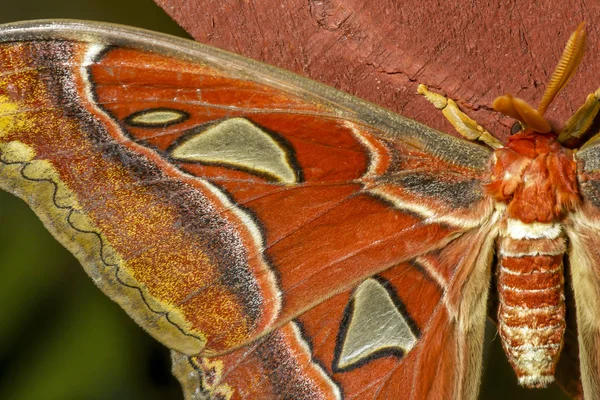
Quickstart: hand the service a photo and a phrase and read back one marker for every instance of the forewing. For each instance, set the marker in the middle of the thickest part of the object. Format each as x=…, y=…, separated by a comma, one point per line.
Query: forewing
x=222, y=203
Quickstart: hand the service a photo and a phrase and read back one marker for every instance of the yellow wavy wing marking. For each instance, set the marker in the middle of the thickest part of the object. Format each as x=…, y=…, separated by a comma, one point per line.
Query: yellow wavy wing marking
x=38, y=183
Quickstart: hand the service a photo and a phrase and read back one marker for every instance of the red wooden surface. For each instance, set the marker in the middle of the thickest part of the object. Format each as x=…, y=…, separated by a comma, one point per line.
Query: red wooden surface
x=380, y=50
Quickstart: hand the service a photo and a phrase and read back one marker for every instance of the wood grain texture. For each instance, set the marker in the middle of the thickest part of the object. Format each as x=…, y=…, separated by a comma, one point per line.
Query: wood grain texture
x=381, y=50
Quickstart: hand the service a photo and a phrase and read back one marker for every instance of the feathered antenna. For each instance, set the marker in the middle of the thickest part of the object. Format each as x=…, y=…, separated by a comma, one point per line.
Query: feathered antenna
x=569, y=61
x=567, y=65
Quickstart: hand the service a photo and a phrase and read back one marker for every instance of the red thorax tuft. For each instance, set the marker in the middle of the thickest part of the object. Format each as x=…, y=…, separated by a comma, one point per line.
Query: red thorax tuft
x=536, y=177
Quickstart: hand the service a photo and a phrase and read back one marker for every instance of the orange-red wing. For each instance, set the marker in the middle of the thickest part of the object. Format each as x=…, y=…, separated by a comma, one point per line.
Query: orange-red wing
x=398, y=334
x=237, y=212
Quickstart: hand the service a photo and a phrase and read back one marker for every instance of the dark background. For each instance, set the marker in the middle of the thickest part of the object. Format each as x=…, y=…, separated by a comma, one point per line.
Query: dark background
x=60, y=338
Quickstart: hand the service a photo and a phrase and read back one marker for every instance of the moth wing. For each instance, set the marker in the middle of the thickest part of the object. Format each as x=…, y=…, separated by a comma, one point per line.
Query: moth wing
x=411, y=331
x=220, y=201
x=583, y=229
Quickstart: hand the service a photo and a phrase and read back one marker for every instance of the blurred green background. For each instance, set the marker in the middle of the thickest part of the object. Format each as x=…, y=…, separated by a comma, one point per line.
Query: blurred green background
x=60, y=338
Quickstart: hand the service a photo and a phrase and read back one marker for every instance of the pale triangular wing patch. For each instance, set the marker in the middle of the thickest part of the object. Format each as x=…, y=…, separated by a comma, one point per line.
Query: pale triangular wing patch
x=375, y=326
x=238, y=143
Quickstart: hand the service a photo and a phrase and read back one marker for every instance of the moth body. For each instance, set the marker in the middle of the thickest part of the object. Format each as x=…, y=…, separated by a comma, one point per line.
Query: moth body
x=535, y=177
x=531, y=312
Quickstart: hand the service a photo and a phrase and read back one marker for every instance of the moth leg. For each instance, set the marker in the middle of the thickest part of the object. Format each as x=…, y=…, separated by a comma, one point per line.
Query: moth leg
x=464, y=125
x=581, y=121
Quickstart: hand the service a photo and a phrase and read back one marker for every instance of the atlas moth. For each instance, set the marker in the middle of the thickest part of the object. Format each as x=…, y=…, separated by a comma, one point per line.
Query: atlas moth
x=289, y=241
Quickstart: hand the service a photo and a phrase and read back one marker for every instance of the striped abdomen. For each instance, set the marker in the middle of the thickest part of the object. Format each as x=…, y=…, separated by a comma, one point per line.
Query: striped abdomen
x=531, y=313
